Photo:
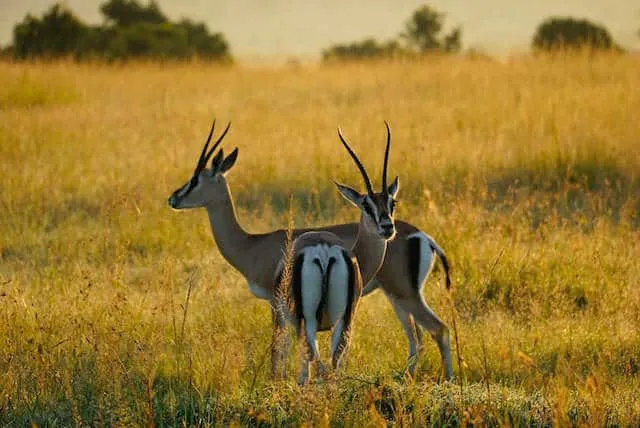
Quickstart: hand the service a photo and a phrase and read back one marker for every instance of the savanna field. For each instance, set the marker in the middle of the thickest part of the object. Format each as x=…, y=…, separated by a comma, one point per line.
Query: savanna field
x=116, y=310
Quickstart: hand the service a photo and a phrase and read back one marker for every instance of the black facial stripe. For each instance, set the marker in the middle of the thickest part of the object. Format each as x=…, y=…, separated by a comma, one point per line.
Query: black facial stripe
x=193, y=183
x=368, y=208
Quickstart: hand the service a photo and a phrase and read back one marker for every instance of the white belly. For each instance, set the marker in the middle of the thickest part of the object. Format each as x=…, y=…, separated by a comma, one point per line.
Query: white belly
x=259, y=292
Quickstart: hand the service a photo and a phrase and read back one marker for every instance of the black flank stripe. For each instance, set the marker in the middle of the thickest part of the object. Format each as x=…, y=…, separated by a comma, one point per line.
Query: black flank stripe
x=297, y=286
x=352, y=283
x=414, y=261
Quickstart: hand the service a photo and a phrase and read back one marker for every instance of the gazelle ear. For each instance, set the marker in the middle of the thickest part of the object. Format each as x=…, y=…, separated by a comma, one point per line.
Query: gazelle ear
x=394, y=187
x=350, y=194
x=215, y=163
x=229, y=161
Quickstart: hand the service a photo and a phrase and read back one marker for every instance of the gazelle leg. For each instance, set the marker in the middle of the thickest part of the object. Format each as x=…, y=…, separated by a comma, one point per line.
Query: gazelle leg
x=312, y=354
x=418, y=333
x=370, y=287
x=411, y=330
x=428, y=320
x=339, y=343
x=304, y=362
x=279, y=345
x=336, y=339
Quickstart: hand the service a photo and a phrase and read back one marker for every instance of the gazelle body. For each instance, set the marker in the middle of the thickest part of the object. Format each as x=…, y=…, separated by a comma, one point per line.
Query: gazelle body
x=327, y=276
x=406, y=266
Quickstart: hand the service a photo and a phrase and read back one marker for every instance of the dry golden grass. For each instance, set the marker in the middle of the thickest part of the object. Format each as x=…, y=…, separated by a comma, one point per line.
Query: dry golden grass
x=526, y=172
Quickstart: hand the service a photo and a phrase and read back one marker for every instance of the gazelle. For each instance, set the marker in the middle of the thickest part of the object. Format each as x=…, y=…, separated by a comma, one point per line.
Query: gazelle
x=327, y=277
x=409, y=258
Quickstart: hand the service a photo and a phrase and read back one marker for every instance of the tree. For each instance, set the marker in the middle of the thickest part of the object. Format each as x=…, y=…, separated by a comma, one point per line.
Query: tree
x=203, y=43
x=58, y=33
x=422, y=32
x=124, y=13
x=570, y=33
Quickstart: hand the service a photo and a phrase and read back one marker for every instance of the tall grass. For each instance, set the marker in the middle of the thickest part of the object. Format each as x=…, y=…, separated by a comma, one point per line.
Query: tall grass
x=115, y=310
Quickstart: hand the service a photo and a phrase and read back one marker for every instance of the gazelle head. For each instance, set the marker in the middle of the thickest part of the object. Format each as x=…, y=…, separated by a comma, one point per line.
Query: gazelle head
x=377, y=208
x=206, y=186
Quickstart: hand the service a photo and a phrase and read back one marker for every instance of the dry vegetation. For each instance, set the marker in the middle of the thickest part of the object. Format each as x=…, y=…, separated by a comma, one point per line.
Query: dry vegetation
x=526, y=172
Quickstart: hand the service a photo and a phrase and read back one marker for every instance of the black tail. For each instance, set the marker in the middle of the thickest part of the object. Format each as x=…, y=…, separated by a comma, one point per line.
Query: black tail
x=445, y=265
x=325, y=287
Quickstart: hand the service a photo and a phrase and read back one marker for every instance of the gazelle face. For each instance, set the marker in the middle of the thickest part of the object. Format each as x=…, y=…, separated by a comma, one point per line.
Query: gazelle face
x=195, y=193
x=206, y=186
x=377, y=208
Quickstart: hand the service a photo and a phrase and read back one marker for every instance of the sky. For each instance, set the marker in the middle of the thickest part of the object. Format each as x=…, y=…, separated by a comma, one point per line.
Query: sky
x=302, y=28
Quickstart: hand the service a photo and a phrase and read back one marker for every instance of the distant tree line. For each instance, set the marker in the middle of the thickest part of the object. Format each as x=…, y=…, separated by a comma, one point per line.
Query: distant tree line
x=423, y=34
x=134, y=30
x=130, y=30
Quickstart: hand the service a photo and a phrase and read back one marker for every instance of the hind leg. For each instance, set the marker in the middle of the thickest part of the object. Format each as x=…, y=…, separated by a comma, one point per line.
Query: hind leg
x=311, y=296
x=311, y=354
x=428, y=320
x=340, y=339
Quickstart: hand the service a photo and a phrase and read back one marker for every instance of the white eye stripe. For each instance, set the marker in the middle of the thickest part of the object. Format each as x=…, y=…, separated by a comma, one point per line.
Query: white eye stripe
x=187, y=188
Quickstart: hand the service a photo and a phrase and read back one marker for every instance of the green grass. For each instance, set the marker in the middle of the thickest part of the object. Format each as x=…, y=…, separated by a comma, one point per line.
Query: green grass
x=526, y=173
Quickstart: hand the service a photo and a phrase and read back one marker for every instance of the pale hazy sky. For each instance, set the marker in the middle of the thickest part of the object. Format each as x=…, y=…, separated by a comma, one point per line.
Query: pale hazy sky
x=257, y=28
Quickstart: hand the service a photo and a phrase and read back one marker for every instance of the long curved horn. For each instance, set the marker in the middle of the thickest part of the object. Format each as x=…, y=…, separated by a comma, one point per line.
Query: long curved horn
x=367, y=182
x=217, y=143
x=206, y=155
x=386, y=159
x=201, y=163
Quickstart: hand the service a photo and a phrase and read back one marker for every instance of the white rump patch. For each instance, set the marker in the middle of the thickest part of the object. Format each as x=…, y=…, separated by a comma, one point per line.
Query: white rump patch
x=312, y=277
x=427, y=255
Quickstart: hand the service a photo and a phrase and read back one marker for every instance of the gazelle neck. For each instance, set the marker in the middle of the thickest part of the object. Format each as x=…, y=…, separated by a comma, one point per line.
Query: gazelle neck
x=231, y=238
x=369, y=248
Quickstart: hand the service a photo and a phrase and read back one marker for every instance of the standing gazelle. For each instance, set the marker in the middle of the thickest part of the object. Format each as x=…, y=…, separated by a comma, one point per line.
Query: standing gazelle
x=327, y=276
x=407, y=264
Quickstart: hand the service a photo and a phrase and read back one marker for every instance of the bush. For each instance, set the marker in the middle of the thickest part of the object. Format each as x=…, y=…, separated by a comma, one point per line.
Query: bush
x=56, y=34
x=367, y=48
x=570, y=33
